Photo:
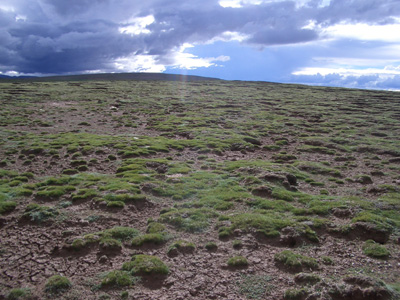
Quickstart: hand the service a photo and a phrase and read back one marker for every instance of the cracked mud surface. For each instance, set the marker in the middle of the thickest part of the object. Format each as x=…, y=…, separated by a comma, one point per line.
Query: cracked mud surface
x=255, y=168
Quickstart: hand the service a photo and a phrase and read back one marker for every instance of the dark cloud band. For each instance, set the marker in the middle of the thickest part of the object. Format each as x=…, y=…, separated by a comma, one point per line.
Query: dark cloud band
x=59, y=36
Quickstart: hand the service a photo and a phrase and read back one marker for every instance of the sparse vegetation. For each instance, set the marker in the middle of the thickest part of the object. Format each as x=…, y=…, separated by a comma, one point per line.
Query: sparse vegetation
x=254, y=286
x=203, y=175
x=295, y=294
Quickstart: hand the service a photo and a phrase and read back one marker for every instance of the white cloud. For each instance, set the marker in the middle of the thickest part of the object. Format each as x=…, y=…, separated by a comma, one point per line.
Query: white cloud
x=7, y=8
x=136, y=26
x=179, y=59
x=138, y=63
x=241, y=3
x=388, y=72
x=184, y=60
x=229, y=36
x=238, y=3
x=365, y=32
x=189, y=61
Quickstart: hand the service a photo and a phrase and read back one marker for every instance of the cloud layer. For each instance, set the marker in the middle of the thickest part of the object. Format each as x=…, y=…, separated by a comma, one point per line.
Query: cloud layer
x=77, y=36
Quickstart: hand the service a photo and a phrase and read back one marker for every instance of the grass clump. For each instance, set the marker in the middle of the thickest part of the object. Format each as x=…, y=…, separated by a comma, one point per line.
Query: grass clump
x=19, y=294
x=84, y=194
x=124, y=198
x=156, y=234
x=211, y=246
x=295, y=294
x=108, y=240
x=237, y=261
x=7, y=206
x=190, y=220
x=121, y=233
x=267, y=224
x=116, y=204
x=57, y=284
x=181, y=246
x=253, y=286
x=54, y=192
x=326, y=260
x=373, y=249
x=149, y=238
x=282, y=194
x=381, y=222
x=294, y=261
x=147, y=265
x=39, y=214
x=237, y=244
x=110, y=244
x=155, y=227
x=117, y=278
x=306, y=278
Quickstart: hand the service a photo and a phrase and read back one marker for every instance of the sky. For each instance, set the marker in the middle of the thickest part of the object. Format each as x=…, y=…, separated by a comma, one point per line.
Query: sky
x=347, y=43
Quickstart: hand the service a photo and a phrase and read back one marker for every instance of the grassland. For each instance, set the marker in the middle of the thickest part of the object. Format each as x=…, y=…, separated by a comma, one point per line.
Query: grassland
x=198, y=190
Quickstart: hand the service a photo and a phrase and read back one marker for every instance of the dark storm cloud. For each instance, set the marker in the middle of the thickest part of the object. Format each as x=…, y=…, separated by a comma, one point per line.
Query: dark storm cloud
x=60, y=36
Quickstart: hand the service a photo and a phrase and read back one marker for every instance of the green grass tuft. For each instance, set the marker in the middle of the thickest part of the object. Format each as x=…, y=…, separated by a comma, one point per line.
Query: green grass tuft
x=373, y=249
x=237, y=261
x=57, y=284
x=148, y=265
x=295, y=261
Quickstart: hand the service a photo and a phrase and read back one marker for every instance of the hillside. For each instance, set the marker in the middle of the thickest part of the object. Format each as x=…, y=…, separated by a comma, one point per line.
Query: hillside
x=108, y=77
x=213, y=189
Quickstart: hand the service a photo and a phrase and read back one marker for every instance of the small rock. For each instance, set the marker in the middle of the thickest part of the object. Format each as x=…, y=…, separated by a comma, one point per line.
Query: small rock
x=394, y=160
x=103, y=259
x=237, y=232
x=262, y=191
x=341, y=212
x=291, y=179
